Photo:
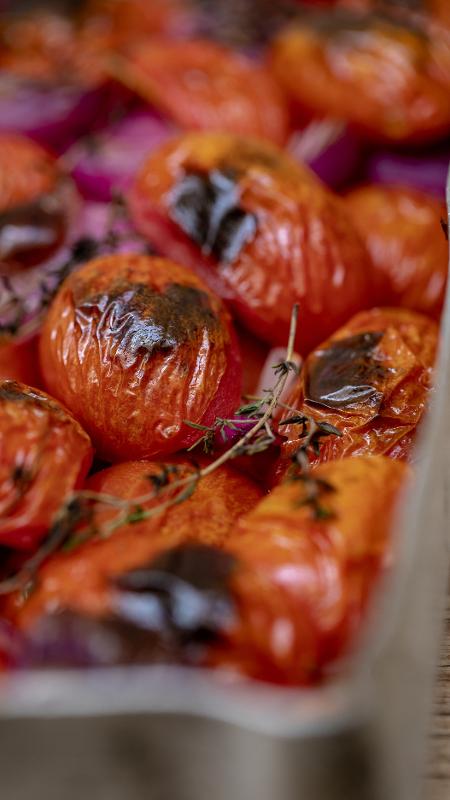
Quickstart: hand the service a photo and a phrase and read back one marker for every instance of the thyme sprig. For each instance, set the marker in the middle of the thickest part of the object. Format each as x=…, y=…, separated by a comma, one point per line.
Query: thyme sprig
x=172, y=486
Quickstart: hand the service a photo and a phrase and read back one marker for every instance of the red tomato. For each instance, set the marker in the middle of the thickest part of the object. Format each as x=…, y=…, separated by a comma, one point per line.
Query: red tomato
x=20, y=362
x=371, y=380
x=301, y=582
x=387, y=74
x=134, y=346
x=403, y=233
x=259, y=228
x=202, y=85
x=207, y=518
x=44, y=456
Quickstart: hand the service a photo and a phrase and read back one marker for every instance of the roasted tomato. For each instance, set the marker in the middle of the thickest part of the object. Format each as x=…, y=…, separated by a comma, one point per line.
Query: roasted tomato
x=388, y=75
x=35, y=203
x=20, y=362
x=371, y=380
x=259, y=228
x=304, y=573
x=205, y=518
x=402, y=231
x=202, y=85
x=44, y=456
x=136, y=345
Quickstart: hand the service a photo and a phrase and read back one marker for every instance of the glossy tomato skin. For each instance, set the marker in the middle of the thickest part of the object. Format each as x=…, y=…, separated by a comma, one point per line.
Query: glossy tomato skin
x=402, y=230
x=27, y=171
x=200, y=85
x=372, y=381
x=302, y=585
x=206, y=518
x=20, y=362
x=36, y=200
x=44, y=456
x=259, y=228
x=386, y=73
x=134, y=346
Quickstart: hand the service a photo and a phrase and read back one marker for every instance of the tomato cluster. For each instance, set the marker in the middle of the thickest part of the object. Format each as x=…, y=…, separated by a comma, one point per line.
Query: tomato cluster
x=160, y=484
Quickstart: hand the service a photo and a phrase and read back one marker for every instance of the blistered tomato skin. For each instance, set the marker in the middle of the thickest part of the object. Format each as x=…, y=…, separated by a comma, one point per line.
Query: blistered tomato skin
x=372, y=381
x=261, y=230
x=134, y=346
x=44, y=456
x=206, y=518
x=387, y=74
x=202, y=85
x=302, y=584
x=402, y=231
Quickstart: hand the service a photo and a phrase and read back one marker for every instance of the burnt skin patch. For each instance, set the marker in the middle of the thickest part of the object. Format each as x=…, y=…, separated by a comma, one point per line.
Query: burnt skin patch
x=29, y=233
x=13, y=392
x=206, y=207
x=139, y=318
x=183, y=594
x=346, y=373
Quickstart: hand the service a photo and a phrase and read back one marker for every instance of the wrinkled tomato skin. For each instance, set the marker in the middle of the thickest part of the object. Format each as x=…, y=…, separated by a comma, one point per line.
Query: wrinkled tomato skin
x=372, y=381
x=207, y=517
x=20, y=362
x=302, y=585
x=27, y=171
x=402, y=231
x=200, y=85
x=44, y=456
x=389, y=75
x=134, y=346
x=301, y=244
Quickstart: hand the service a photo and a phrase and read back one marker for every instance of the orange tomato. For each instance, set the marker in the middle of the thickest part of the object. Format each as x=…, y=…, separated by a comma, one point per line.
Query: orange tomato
x=302, y=582
x=371, y=380
x=27, y=171
x=387, y=74
x=259, y=228
x=44, y=456
x=206, y=518
x=402, y=230
x=134, y=346
x=202, y=85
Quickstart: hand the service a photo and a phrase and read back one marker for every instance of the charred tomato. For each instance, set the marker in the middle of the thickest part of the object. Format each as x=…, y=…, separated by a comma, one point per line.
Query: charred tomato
x=44, y=456
x=201, y=85
x=19, y=361
x=389, y=74
x=402, y=230
x=258, y=228
x=204, y=519
x=135, y=346
x=305, y=571
x=35, y=203
x=371, y=380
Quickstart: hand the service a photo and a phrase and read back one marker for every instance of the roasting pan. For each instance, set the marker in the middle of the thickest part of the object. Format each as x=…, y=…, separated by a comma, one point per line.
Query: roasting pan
x=164, y=733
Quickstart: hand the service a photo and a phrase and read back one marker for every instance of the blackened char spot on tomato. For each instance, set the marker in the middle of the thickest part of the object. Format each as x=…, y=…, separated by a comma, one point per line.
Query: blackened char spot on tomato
x=13, y=392
x=183, y=594
x=206, y=207
x=139, y=318
x=346, y=373
x=29, y=233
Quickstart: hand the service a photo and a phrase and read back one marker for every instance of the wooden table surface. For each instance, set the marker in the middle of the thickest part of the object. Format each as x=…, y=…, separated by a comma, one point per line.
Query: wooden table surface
x=439, y=762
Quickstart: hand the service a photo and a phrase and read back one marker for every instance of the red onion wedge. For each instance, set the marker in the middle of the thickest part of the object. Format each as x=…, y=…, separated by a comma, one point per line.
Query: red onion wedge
x=52, y=114
x=24, y=296
x=329, y=148
x=106, y=162
x=426, y=172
